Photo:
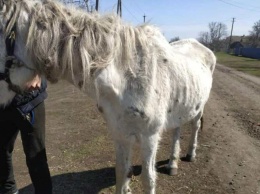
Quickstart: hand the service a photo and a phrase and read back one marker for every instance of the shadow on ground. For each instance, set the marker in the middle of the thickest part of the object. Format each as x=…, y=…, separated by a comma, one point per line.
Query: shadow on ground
x=85, y=182
x=92, y=181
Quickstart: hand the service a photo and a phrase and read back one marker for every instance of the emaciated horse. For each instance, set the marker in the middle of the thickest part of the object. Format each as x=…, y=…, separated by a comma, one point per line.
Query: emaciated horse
x=142, y=85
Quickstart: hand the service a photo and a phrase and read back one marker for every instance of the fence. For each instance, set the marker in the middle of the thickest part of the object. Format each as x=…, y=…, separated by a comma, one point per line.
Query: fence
x=248, y=52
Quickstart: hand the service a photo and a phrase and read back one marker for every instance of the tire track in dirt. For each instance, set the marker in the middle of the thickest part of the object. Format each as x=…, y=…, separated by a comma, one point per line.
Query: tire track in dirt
x=242, y=95
x=234, y=107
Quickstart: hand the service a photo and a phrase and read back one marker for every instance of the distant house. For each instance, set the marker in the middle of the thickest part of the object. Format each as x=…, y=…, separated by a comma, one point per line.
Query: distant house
x=243, y=39
x=235, y=47
x=237, y=42
x=240, y=46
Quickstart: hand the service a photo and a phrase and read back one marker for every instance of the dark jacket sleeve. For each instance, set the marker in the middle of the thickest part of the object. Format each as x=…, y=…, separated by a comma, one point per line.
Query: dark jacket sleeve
x=28, y=101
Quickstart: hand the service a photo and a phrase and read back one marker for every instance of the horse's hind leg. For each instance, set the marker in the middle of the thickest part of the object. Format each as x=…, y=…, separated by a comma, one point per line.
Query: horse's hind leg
x=196, y=123
x=149, y=145
x=123, y=165
x=175, y=152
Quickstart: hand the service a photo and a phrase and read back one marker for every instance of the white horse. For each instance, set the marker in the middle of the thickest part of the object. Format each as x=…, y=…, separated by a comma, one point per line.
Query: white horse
x=142, y=85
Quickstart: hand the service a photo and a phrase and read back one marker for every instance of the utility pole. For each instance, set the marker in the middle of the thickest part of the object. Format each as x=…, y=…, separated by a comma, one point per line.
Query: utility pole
x=97, y=1
x=233, y=20
x=119, y=8
x=144, y=17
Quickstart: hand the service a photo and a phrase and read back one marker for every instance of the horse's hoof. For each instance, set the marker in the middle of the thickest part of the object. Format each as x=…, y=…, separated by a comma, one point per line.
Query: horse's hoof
x=173, y=171
x=189, y=158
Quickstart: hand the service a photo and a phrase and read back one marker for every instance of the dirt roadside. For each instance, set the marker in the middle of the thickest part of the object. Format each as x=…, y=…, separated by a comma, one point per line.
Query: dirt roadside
x=82, y=158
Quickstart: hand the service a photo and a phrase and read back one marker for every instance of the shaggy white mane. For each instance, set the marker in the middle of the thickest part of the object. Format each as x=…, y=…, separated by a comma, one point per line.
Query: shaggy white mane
x=59, y=37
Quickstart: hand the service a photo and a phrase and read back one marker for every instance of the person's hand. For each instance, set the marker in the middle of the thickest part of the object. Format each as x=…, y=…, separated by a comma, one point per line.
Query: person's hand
x=34, y=84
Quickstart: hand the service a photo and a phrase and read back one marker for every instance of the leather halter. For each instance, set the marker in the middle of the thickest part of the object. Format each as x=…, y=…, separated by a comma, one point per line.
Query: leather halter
x=9, y=44
x=10, y=58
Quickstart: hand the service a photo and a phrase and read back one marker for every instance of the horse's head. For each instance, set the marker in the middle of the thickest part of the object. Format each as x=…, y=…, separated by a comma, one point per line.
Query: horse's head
x=13, y=73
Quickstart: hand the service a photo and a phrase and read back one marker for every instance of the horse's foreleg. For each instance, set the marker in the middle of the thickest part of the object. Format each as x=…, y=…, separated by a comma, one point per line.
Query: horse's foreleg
x=196, y=123
x=149, y=148
x=123, y=166
x=175, y=152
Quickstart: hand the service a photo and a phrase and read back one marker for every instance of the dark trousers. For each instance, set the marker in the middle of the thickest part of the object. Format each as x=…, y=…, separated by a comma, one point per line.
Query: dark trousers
x=33, y=139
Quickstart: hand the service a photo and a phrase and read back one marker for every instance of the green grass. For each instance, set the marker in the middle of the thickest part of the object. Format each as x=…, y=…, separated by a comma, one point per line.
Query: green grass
x=247, y=65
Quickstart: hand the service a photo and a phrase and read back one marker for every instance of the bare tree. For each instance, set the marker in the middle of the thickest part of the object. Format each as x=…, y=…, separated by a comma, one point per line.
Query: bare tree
x=88, y=5
x=254, y=35
x=175, y=39
x=204, y=38
x=217, y=32
x=214, y=39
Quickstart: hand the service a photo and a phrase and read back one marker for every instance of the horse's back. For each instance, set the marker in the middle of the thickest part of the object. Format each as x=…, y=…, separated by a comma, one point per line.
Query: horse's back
x=195, y=50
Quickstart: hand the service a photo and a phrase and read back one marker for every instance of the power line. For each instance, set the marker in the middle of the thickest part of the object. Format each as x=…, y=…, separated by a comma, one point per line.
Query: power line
x=238, y=6
x=133, y=15
x=137, y=6
x=130, y=12
x=246, y=4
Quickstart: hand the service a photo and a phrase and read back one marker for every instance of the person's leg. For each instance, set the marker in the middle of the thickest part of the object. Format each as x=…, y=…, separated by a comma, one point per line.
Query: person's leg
x=33, y=138
x=8, y=134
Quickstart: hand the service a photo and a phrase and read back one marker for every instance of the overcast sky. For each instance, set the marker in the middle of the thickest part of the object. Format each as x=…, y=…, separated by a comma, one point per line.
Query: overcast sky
x=187, y=18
